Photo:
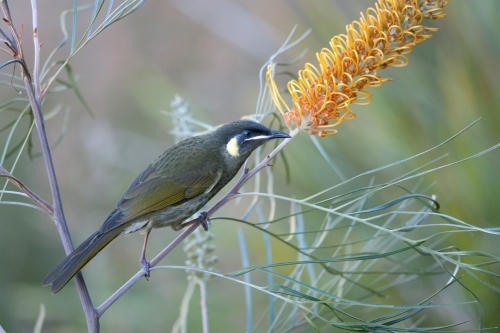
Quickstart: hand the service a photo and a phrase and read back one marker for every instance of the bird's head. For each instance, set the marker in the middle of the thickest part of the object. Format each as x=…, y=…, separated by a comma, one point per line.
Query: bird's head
x=240, y=138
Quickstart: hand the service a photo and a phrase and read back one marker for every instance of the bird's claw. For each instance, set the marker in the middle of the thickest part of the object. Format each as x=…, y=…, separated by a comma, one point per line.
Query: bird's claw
x=204, y=220
x=145, y=268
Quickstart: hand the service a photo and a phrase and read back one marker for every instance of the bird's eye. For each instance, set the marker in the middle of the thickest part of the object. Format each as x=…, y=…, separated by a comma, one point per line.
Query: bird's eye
x=246, y=133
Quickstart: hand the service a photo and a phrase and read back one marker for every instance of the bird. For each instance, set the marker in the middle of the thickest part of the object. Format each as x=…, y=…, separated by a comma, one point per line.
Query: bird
x=170, y=190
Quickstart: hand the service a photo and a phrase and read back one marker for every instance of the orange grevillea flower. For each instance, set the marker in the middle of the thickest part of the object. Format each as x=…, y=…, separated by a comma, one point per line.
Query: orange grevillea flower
x=322, y=95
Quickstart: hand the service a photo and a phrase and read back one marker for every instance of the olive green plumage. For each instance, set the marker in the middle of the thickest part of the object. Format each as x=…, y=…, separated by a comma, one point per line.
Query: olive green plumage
x=171, y=189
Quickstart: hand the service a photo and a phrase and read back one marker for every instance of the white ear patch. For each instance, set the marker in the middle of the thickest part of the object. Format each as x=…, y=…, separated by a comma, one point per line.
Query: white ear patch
x=232, y=147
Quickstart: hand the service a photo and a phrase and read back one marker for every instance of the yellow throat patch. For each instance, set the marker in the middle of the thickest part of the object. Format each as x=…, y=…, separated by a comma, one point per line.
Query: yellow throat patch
x=232, y=147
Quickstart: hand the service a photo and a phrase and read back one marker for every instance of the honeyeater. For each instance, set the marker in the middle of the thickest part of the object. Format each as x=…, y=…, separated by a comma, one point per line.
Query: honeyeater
x=171, y=189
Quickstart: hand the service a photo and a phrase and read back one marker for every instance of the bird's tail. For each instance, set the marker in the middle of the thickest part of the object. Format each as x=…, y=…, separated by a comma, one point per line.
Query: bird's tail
x=77, y=259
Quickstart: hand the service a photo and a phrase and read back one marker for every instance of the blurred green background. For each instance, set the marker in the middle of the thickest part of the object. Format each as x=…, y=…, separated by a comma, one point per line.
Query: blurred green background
x=210, y=52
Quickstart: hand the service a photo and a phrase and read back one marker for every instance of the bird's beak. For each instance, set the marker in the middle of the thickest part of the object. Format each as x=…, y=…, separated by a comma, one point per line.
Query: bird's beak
x=278, y=135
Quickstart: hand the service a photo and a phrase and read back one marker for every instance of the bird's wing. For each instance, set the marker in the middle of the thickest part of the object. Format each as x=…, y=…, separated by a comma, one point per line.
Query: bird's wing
x=152, y=191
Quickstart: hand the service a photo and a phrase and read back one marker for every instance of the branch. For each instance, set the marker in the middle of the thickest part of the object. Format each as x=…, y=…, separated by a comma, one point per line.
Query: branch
x=33, y=93
x=137, y=276
x=36, y=66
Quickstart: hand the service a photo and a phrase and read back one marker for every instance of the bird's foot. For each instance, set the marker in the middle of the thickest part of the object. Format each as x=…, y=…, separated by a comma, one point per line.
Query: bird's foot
x=204, y=220
x=145, y=267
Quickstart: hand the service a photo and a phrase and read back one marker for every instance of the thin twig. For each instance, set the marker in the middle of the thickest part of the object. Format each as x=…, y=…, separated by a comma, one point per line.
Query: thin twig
x=46, y=207
x=7, y=40
x=204, y=306
x=13, y=32
x=180, y=324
